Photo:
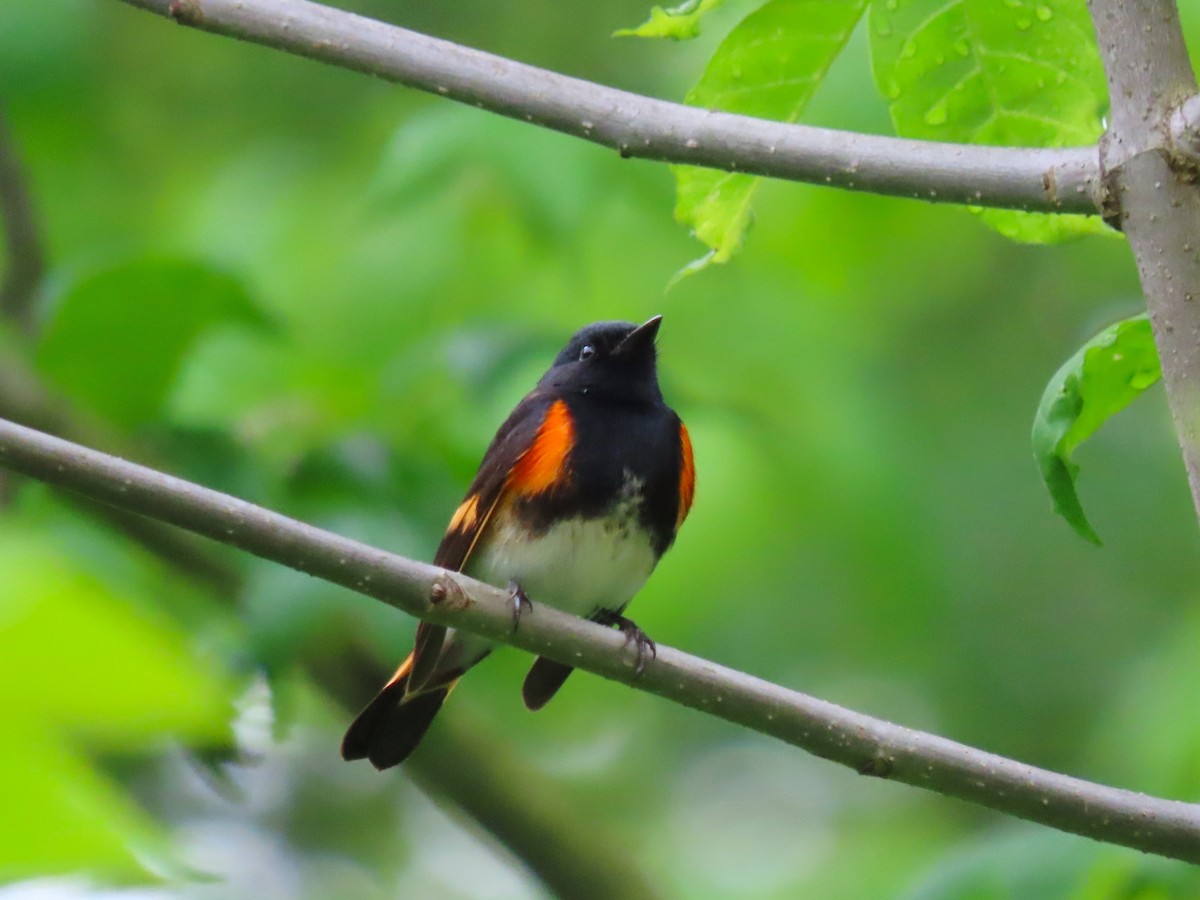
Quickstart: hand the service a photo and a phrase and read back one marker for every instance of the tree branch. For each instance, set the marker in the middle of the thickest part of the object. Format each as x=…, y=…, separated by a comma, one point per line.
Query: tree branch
x=25, y=399
x=573, y=858
x=870, y=746
x=1185, y=135
x=26, y=264
x=1149, y=77
x=531, y=822
x=1055, y=180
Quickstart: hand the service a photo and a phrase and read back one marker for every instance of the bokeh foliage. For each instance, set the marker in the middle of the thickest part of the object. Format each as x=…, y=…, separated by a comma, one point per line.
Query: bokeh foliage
x=323, y=293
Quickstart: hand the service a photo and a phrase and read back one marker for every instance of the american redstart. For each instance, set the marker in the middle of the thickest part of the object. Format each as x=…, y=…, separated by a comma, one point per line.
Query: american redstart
x=581, y=491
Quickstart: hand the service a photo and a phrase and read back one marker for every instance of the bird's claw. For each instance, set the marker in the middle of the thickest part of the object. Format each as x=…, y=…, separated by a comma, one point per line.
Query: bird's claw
x=646, y=648
x=521, y=603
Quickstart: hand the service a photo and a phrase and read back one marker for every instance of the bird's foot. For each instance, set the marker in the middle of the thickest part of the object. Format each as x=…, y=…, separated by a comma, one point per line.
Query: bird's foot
x=646, y=648
x=521, y=603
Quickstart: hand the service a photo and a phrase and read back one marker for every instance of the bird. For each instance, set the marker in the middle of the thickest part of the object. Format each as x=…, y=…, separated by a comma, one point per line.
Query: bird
x=582, y=490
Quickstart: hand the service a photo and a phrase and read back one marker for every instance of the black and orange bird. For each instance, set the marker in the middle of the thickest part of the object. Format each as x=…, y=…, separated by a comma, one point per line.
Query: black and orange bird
x=581, y=491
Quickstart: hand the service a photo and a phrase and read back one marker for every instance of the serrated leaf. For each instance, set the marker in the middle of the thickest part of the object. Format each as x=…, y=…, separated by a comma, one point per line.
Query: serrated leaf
x=1101, y=379
x=678, y=23
x=769, y=66
x=116, y=338
x=1019, y=73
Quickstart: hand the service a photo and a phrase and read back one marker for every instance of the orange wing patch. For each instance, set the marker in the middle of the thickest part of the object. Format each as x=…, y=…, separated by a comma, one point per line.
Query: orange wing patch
x=687, y=476
x=544, y=465
x=466, y=514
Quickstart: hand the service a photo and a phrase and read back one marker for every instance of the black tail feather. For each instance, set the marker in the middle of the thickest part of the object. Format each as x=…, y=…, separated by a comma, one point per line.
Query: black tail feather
x=543, y=681
x=392, y=725
x=401, y=732
x=426, y=654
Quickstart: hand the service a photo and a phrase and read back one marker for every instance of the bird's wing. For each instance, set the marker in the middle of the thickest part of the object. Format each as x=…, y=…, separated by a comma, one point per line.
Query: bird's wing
x=527, y=456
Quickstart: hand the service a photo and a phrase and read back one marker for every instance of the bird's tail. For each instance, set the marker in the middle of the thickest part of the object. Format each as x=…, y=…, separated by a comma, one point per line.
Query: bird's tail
x=391, y=725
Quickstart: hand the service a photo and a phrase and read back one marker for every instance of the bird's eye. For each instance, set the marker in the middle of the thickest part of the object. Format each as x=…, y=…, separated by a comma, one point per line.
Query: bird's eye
x=587, y=352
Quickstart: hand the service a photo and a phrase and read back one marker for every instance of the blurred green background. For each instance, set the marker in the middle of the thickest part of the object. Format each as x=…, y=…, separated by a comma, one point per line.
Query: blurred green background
x=323, y=293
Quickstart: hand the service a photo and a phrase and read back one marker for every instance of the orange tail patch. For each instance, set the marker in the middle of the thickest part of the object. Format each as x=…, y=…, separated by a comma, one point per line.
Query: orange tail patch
x=401, y=673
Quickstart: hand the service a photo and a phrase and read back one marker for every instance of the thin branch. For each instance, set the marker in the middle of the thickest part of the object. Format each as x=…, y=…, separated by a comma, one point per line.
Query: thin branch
x=870, y=746
x=570, y=855
x=26, y=262
x=1149, y=79
x=545, y=835
x=25, y=399
x=1055, y=180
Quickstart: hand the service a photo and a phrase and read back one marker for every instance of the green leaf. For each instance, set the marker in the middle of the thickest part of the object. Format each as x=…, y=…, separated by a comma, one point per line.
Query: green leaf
x=72, y=819
x=433, y=159
x=1100, y=380
x=1019, y=73
x=116, y=338
x=678, y=23
x=769, y=66
x=86, y=669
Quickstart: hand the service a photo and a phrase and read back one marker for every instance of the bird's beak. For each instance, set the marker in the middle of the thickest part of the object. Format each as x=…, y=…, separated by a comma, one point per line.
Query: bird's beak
x=641, y=339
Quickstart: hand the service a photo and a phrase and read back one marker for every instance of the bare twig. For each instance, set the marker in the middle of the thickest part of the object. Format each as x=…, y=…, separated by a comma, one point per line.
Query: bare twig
x=1150, y=76
x=26, y=263
x=1062, y=180
x=870, y=746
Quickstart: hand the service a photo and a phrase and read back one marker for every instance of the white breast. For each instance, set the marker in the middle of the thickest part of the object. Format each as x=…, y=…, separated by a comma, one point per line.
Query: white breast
x=578, y=565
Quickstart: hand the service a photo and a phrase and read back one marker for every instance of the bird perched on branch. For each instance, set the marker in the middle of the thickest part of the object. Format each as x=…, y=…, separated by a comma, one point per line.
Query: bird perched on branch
x=581, y=491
